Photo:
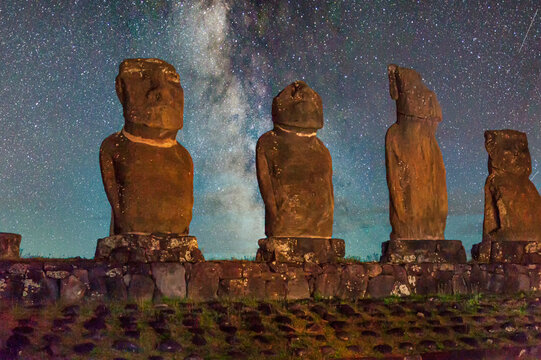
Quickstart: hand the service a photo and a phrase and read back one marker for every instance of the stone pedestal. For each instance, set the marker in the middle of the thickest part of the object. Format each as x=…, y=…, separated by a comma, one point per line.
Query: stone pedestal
x=516, y=252
x=9, y=245
x=301, y=249
x=148, y=248
x=423, y=251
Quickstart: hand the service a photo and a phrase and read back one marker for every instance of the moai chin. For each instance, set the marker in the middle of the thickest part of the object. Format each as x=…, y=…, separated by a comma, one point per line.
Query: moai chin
x=512, y=222
x=147, y=174
x=416, y=174
x=294, y=171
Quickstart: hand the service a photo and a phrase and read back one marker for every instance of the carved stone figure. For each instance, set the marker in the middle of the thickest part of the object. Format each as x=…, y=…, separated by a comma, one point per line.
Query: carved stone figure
x=512, y=202
x=416, y=176
x=147, y=174
x=9, y=246
x=415, y=169
x=512, y=224
x=294, y=171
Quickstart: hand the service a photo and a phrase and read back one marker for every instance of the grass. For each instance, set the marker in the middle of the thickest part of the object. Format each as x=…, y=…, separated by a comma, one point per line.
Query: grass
x=374, y=315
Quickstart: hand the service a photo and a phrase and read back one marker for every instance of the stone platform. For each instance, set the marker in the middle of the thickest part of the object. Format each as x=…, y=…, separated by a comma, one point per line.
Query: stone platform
x=301, y=249
x=422, y=251
x=131, y=248
x=9, y=245
x=516, y=252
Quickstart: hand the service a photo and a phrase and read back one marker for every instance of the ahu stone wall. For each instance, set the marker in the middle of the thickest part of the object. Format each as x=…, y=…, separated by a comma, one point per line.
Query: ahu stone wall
x=32, y=281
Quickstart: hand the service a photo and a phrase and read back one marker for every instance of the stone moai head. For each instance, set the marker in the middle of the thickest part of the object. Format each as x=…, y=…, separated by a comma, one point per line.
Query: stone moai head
x=508, y=152
x=298, y=106
x=413, y=98
x=151, y=95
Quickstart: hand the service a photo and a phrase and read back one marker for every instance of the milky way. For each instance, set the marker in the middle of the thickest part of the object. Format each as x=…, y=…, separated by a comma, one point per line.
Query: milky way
x=58, y=103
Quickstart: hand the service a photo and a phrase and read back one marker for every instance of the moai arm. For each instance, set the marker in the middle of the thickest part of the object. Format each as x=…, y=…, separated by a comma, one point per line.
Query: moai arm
x=394, y=177
x=490, y=221
x=108, y=177
x=265, y=187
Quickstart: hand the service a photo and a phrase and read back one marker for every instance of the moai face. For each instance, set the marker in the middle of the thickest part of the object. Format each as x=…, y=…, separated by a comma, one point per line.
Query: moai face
x=412, y=96
x=508, y=152
x=151, y=95
x=298, y=106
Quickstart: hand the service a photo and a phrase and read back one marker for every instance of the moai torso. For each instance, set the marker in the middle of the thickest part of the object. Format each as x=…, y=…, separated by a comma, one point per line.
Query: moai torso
x=512, y=202
x=414, y=163
x=147, y=174
x=294, y=168
x=154, y=184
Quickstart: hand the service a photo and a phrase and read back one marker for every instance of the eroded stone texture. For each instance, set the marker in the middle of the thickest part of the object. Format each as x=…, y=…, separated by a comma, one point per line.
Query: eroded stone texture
x=415, y=169
x=512, y=202
x=147, y=174
x=512, y=223
x=9, y=245
x=294, y=172
x=292, y=249
x=148, y=248
x=420, y=251
x=294, y=167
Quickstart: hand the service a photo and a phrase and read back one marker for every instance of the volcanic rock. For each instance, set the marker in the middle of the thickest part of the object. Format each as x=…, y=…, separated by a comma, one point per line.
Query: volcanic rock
x=415, y=169
x=147, y=174
x=9, y=246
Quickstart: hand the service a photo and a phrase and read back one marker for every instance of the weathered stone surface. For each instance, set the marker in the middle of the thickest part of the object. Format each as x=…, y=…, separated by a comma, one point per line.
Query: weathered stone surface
x=170, y=279
x=141, y=287
x=72, y=290
x=148, y=248
x=512, y=222
x=9, y=245
x=512, y=202
x=415, y=169
x=502, y=251
x=326, y=284
x=381, y=286
x=420, y=251
x=147, y=174
x=297, y=284
x=300, y=249
x=353, y=282
x=116, y=290
x=294, y=168
x=204, y=281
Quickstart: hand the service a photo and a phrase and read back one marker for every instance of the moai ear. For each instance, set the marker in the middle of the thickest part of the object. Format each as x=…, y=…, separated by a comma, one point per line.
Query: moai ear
x=119, y=89
x=489, y=141
x=392, y=70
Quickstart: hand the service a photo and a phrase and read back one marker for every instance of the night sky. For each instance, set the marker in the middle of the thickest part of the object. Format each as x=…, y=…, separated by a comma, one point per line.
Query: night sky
x=58, y=102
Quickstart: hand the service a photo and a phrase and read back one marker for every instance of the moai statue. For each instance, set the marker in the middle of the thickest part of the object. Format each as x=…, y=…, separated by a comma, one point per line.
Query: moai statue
x=512, y=224
x=147, y=174
x=416, y=175
x=9, y=246
x=294, y=171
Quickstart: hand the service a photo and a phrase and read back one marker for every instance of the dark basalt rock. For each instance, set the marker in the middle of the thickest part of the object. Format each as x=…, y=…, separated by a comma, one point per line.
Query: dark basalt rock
x=94, y=324
x=84, y=348
x=423, y=251
x=326, y=350
x=383, y=348
x=342, y=335
x=126, y=345
x=23, y=330
x=170, y=346
x=199, y=340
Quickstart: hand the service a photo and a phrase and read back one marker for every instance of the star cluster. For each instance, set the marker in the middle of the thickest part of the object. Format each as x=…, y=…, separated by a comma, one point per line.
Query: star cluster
x=57, y=103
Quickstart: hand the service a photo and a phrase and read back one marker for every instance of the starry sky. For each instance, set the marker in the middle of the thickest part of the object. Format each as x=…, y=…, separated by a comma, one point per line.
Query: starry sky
x=58, y=102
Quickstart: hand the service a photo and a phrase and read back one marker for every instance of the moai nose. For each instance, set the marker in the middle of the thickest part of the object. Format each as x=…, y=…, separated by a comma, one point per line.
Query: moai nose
x=299, y=87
